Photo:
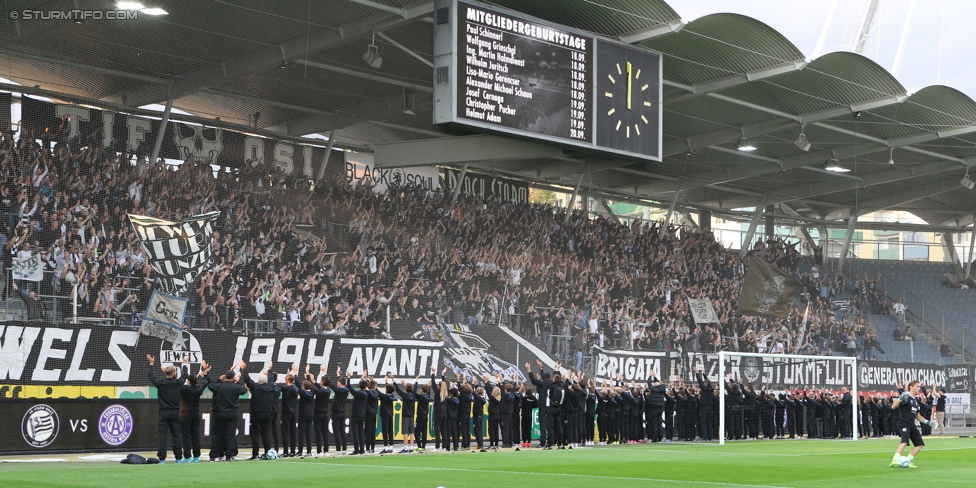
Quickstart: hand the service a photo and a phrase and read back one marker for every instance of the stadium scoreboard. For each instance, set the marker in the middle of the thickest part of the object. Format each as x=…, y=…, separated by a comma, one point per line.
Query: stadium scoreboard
x=506, y=73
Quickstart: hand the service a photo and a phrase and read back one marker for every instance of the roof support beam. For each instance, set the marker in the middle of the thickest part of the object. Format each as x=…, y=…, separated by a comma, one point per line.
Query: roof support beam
x=747, y=239
x=653, y=31
x=365, y=76
x=896, y=199
x=803, y=192
x=352, y=114
x=678, y=146
x=730, y=81
x=265, y=58
x=603, y=204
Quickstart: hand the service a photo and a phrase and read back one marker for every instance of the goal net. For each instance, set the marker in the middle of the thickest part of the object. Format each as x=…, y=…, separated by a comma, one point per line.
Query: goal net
x=785, y=396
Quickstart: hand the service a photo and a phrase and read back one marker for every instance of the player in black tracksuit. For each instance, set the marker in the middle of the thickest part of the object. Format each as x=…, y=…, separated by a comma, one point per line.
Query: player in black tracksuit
x=908, y=411
x=275, y=408
x=494, y=410
x=541, y=383
x=465, y=400
x=733, y=409
x=451, y=405
x=289, y=413
x=306, y=412
x=438, y=393
x=408, y=400
x=480, y=399
x=656, y=406
x=323, y=400
x=790, y=406
x=514, y=421
x=226, y=403
x=387, y=398
x=750, y=412
x=372, y=408
x=423, y=414
x=339, y=412
x=554, y=409
x=780, y=416
x=190, y=411
x=588, y=414
x=706, y=399
x=529, y=403
x=262, y=397
x=573, y=406
x=505, y=414
x=602, y=411
x=357, y=418
x=168, y=398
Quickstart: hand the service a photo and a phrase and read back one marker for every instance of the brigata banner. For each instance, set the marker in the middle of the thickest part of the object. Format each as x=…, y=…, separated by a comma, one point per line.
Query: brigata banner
x=96, y=356
x=632, y=365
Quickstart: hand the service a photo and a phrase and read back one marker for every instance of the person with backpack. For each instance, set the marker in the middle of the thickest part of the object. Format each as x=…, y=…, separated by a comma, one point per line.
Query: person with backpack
x=554, y=410
x=168, y=398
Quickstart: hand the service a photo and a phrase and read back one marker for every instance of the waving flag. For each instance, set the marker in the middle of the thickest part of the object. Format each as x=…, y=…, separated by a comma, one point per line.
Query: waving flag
x=178, y=251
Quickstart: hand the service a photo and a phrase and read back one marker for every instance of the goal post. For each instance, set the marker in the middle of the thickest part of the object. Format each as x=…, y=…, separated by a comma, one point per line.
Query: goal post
x=783, y=369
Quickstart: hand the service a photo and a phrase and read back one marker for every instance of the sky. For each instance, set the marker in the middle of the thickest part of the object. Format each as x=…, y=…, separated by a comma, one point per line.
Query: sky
x=935, y=22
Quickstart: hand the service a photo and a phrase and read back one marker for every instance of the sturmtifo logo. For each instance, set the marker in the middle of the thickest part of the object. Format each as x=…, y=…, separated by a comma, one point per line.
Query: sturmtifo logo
x=115, y=425
x=40, y=426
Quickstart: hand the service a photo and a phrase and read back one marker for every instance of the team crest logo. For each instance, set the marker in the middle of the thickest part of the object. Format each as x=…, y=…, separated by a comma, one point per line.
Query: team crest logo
x=115, y=425
x=40, y=426
x=751, y=369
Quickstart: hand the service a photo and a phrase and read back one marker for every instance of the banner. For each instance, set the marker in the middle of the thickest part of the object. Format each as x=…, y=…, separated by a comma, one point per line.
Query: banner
x=97, y=356
x=164, y=317
x=776, y=373
x=702, y=310
x=766, y=291
x=465, y=353
x=507, y=189
x=29, y=269
x=403, y=359
x=881, y=375
x=178, y=251
x=361, y=169
x=633, y=365
x=186, y=142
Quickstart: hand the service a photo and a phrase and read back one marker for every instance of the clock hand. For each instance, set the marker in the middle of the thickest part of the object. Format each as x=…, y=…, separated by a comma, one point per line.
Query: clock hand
x=630, y=79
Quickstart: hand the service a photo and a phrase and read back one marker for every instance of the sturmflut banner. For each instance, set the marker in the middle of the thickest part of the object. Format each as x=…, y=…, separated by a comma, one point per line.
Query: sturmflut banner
x=776, y=373
x=178, y=251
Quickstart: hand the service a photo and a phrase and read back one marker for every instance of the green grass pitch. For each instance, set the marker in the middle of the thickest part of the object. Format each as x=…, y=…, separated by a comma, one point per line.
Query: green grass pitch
x=801, y=463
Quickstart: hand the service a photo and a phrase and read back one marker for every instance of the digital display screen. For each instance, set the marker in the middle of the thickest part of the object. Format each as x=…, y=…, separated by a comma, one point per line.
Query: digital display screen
x=504, y=72
x=523, y=75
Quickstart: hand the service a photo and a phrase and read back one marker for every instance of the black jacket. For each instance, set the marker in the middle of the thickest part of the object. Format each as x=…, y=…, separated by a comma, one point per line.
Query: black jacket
x=289, y=399
x=359, y=399
x=190, y=398
x=262, y=395
x=226, y=396
x=409, y=400
x=339, y=401
x=322, y=398
x=167, y=390
x=656, y=399
x=386, y=404
x=423, y=403
x=478, y=406
x=306, y=403
x=542, y=385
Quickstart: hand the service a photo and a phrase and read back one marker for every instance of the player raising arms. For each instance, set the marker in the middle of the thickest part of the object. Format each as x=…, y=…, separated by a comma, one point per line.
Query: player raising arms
x=908, y=411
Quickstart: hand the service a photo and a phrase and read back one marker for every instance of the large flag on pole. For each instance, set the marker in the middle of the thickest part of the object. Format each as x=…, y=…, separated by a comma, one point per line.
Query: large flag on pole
x=178, y=251
x=766, y=290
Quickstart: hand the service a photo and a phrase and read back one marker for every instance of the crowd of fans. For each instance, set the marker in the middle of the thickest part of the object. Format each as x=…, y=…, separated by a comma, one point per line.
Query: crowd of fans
x=587, y=281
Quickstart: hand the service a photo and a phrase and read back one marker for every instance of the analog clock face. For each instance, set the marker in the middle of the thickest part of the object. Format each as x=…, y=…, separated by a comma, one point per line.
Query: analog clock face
x=628, y=96
x=629, y=107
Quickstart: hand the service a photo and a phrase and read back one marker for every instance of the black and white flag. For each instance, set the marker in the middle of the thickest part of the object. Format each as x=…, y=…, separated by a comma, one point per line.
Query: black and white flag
x=164, y=317
x=178, y=251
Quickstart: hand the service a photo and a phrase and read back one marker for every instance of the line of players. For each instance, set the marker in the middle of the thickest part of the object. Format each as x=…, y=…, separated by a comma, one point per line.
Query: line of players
x=311, y=407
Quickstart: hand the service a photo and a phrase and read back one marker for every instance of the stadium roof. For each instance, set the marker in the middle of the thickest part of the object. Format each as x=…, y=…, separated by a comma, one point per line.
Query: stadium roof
x=726, y=76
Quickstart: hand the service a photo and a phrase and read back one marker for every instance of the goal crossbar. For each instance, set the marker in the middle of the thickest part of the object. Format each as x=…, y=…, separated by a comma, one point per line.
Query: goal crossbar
x=722, y=355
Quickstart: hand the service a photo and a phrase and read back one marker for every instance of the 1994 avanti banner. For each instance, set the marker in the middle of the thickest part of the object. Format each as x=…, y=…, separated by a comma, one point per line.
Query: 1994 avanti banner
x=107, y=357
